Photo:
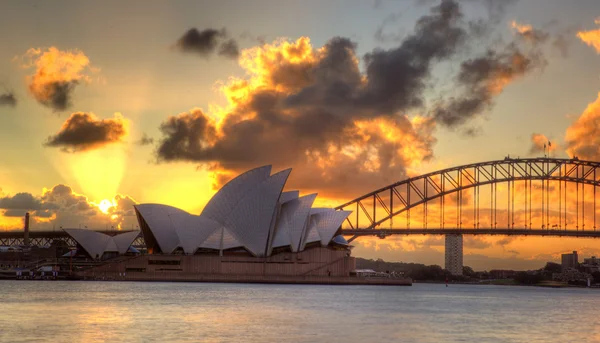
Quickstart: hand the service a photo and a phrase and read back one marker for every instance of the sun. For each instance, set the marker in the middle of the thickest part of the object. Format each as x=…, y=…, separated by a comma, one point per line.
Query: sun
x=105, y=205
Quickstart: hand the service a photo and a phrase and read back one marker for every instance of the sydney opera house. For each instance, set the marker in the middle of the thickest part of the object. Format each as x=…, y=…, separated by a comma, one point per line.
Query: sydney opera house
x=250, y=230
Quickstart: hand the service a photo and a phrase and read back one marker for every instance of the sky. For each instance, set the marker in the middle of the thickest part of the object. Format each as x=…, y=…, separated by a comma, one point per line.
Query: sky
x=107, y=104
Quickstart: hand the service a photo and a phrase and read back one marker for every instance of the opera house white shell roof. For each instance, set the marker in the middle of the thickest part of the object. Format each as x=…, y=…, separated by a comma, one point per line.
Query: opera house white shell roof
x=96, y=243
x=250, y=212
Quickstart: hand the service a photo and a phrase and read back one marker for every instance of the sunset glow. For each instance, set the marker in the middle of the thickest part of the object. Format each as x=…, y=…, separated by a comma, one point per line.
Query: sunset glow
x=94, y=122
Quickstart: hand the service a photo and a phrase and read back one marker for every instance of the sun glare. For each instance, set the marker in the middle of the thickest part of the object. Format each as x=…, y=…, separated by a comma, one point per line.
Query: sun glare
x=105, y=205
x=97, y=173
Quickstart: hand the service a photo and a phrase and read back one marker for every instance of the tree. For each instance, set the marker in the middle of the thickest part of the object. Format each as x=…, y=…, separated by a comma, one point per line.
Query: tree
x=468, y=271
x=526, y=278
x=553, y=267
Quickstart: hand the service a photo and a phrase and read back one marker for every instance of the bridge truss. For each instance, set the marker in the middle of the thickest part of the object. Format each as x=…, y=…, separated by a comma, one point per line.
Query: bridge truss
x=47, y=238
x=545, y=196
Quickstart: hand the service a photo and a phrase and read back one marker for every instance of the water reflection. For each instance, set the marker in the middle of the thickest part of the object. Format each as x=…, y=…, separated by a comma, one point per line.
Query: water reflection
x=196, y=312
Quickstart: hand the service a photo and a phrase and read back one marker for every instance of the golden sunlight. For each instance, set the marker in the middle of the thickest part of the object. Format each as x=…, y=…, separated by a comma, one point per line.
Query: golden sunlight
x=105, y=205
x=97, y=173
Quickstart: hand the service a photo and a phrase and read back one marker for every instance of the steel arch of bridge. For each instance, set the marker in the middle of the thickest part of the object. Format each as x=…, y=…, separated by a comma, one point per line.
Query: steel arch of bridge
x=424, y=189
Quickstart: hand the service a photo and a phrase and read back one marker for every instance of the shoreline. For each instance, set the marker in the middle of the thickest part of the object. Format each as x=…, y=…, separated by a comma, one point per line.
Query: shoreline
x=546, y=284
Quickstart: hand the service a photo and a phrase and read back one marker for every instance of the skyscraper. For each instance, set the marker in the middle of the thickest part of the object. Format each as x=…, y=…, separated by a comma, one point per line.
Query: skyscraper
x=454, y=254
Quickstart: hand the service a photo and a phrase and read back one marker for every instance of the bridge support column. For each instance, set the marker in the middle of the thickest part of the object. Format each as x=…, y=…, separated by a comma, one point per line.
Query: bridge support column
x=454, y=254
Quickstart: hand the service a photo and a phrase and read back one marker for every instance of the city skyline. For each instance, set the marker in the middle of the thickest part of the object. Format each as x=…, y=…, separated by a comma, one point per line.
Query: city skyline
x=164, y=103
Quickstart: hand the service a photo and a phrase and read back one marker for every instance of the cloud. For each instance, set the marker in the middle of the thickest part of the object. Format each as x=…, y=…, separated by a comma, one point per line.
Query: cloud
x=302, y=106
x=483, y=78
x=84, y=131
x=583, y=136
x=60, y=206
x=591, y=37
x=346, y=123
x=528, y=33
x=506, y=240
x=383, y=37
x=229, y=49
x=206, y=42
x=475, y=242
x=8, y=99
x=20, y=201
x=541, y=144
x=145, y=140
x=57, y=73
x=561, y=44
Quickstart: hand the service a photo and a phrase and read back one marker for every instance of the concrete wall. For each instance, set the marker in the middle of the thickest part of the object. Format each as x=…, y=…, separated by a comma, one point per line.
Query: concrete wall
x=312, y=262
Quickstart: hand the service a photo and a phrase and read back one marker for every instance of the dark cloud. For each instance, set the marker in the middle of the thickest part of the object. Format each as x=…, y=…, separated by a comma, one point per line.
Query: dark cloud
x=471, y=132
x=319, y=105
x=206, y=42
x=20, y=201
x=382, y=36
x=83, y=131
x=145, y=140
x=8, y=99
x=14, y=213
x=346, y=131
x=481, y=79
x=58, y=95
x=229, y=49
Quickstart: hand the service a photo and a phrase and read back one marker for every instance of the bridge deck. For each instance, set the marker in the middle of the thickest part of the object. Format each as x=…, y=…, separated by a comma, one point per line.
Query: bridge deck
x=481, y=231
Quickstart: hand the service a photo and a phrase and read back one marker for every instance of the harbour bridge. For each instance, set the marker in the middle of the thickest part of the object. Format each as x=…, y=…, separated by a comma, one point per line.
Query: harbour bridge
x=513, y=196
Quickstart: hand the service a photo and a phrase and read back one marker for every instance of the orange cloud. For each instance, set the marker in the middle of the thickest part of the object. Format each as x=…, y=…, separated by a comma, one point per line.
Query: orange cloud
x=528, y=33
x=541, y=144
x=57, y=73
x=591, y=37
x=521, y=28
x=262, y=125
x=583, y=136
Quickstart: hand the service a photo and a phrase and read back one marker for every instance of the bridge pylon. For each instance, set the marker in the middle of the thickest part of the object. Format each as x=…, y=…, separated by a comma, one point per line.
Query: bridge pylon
x=454, y=254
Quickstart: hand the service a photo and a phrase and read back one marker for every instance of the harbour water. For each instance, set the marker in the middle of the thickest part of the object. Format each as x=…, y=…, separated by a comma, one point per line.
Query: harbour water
x=56, y=311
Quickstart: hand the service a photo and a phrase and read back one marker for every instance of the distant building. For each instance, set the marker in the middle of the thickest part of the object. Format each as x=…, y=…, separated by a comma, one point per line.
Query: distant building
x=454, y=254
x=591, y=265
x=569, y=260
x=593, y=260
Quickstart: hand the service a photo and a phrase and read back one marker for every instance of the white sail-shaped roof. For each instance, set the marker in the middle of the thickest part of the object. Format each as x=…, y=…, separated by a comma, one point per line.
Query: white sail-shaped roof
x=223, y=202
x=124, y=240
x=230, y=241
x=214, y=240
x=174, y=228
x=91, y=241
x=312, y=234
x=328, y=223
x=250, y=220
x=251, y=212
x=287, y=196
x=292, y=222
x=158, y=218
x=97, y=243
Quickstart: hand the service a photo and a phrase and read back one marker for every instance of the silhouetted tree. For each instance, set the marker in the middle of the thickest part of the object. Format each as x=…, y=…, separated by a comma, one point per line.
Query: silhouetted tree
x=553, y=267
